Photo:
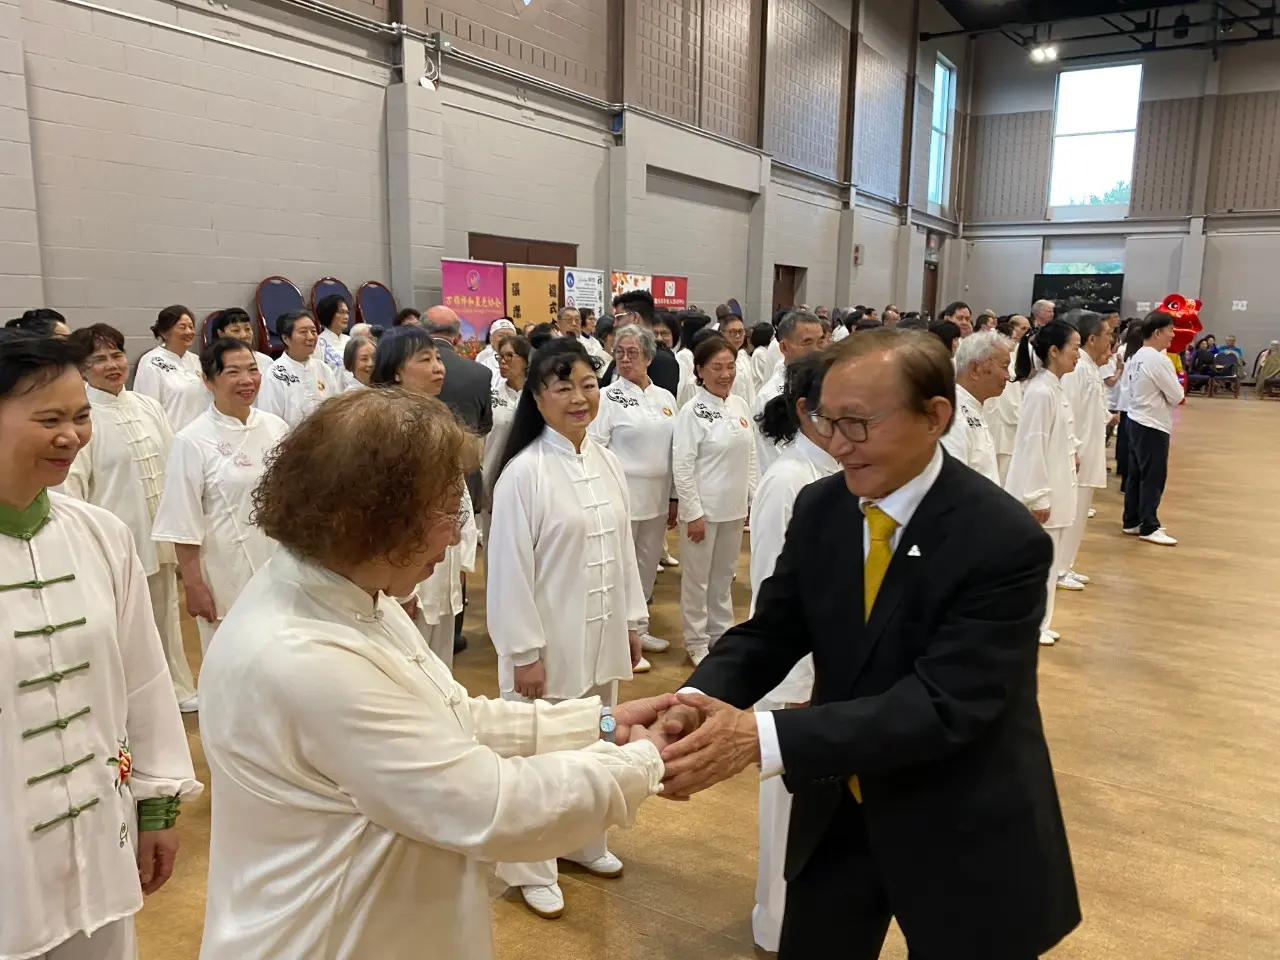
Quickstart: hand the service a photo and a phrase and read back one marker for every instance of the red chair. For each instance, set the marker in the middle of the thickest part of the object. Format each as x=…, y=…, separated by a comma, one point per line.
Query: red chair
x=205, y=337
x=327, y=287
x=276, y=296
x=375, y=305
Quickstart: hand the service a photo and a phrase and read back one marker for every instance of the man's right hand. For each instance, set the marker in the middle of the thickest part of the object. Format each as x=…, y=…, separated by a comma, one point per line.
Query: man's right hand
x=679, y=721
x=1042, y=516
x=200, y=601
x=697, y=530
x=531, y=680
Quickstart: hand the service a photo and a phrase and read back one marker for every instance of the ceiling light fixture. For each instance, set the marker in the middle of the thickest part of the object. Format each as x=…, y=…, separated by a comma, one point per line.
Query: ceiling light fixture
x=1046, y=53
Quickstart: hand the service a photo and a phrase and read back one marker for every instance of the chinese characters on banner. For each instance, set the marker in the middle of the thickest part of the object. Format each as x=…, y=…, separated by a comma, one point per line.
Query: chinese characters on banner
x=584, y=289
x=473, y=290
x=533, y=294
x=670, y=293
x=626, y=282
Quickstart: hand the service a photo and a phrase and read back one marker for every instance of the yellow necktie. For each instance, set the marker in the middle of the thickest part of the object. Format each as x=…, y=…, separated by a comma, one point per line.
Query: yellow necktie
x=881, y=527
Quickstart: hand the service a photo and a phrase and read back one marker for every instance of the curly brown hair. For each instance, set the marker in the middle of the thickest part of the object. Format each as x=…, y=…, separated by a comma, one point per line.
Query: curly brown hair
x=364, y=478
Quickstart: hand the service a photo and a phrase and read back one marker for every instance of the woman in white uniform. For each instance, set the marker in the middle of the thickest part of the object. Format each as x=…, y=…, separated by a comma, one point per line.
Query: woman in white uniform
x=562, y=571
x=122, y=470
x=1042, y=469
x=235, y=323
x=96, y=764
x=1087, y=394
x=170, y=373
x=498, y=331
x=513, y=367
x=357, y=362
x=408, y=358
x=299, y=381
x=636, y=421
x=333, y=314
x=713, y=466
x=744, y=384
x=208, y=488
x=361, y=790
x=804, y=459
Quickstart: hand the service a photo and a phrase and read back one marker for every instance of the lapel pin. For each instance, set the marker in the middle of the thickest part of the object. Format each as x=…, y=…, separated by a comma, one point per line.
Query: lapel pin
x=914, y=551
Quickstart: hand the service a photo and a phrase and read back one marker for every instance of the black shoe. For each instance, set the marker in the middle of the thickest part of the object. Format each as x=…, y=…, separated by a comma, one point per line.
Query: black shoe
x=459, y=645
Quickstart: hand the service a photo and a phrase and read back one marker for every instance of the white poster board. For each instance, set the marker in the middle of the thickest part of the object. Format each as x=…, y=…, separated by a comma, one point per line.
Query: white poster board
x=584, y=289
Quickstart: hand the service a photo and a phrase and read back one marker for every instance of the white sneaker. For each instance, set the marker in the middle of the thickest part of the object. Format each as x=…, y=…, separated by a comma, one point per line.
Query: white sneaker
x=1053, y=633
x=546, y=902
x=1132, y=531
x=1068, y=582
x=190, y=705
x=1161, y=538
x=652, y=644
x=1078, y=576
x=669, y=561
x=1048, y=638
x=697, y=656
x=609, y=867
x=1092, y=513
x=644, y=666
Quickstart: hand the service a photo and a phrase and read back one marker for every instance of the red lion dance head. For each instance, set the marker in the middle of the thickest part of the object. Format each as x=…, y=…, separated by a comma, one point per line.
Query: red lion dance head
x=1186, y=324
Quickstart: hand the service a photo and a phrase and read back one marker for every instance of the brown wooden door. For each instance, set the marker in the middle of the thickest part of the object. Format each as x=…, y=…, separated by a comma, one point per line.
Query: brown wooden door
x=929, y=300
x=542, y=253
x=785, y=283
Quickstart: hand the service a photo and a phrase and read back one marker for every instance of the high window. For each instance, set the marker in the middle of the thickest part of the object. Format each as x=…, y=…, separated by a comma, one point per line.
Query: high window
x=944, y=103
x=1094, y=131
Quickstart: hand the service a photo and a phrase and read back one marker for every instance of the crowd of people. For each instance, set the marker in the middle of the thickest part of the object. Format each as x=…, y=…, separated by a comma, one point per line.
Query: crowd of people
x=320, y=512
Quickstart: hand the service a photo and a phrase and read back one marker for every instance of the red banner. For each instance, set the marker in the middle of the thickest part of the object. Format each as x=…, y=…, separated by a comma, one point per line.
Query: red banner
x=670, y=293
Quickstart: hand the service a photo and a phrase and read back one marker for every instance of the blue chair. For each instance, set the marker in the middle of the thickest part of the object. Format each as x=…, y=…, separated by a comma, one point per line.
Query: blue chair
x=375, y=305
x=206, y=336
x=328, y=286
x=276, y=296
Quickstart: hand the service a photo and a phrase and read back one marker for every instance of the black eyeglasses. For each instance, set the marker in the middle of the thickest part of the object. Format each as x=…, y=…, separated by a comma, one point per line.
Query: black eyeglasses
x=853, y=429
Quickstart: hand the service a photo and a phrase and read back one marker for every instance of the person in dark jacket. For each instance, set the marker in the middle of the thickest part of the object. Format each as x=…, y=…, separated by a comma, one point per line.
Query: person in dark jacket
x=637, y=307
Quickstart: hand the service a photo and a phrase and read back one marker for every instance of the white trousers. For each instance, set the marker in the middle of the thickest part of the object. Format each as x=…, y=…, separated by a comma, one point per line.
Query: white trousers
x=651, y=543
x=1057, y=534
x=115, y=941
x=545, y=872
x=706, y=583
x=1073, y=536
x=439, y=637
x=771, y=888
x=163, y=588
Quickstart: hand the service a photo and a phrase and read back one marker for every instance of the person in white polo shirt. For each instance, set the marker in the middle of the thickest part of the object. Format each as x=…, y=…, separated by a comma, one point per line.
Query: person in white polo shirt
x=1153, y=391
x=982, y=373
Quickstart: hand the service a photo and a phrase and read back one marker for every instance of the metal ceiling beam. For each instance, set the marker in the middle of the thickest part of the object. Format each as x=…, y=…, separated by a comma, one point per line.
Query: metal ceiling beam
x=1216, y=44
x=1270, y=13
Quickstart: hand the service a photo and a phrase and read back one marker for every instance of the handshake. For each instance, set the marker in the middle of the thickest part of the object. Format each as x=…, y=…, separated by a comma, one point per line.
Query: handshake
x=702, y=740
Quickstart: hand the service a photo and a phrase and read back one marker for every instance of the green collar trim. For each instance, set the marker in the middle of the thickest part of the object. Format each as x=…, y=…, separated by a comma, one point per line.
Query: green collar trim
x=25, y=524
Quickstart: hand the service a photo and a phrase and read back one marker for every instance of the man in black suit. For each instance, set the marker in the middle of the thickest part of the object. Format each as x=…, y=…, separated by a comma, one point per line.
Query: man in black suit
x=637, y=307
x=921, y=781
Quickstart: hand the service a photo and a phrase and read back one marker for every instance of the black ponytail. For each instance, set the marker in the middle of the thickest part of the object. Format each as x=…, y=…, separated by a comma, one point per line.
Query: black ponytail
x=553, y=361
x=780, y=420
x=1055, y=333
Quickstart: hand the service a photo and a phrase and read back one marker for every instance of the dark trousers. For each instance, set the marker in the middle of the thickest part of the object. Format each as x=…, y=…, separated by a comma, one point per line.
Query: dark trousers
x=1145, y=479
x=1122, y=448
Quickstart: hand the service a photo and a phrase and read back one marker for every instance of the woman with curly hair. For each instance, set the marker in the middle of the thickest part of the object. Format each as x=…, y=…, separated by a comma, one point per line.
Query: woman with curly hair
x=361, y=789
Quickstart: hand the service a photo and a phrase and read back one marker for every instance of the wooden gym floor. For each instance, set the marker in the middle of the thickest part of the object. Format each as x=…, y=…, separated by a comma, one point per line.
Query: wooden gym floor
x=1162, y=705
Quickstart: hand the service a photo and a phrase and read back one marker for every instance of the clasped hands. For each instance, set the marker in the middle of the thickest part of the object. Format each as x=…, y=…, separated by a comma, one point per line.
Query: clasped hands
x=702, y=740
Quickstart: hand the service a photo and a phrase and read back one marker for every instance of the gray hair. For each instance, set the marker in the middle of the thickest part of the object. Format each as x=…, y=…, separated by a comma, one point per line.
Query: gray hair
x=1042, y=303
x=362, y=330
x=978, y=347
x=787, y=325
x=451, y=328
x=644, y=337
x=352, y=348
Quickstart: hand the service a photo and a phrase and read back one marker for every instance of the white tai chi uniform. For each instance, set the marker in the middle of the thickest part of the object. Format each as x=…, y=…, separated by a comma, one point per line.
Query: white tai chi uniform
x=360, y=788
x=969, y=439
x=713, y=465
x=208, y=498
x=1087, y=394
x=330, y=347
x=766, y=450
x=293, y=390
x=562, y=560
x=1042, y=469
x=88, y=730
x=596, y=349
x=122, y=470
x=801, y=463
x=1001, y=414
x=770, y=362
x=440, y=595
x=176, y=382
x=744, y=381
x=503, y=400
x=637, y=425
x=488, y=357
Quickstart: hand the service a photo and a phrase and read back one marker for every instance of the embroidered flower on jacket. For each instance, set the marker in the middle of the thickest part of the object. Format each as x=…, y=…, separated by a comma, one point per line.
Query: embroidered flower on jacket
x=123, y=762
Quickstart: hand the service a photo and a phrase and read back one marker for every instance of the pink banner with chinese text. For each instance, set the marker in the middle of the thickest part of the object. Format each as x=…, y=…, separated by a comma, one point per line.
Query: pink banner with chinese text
x=473, y=289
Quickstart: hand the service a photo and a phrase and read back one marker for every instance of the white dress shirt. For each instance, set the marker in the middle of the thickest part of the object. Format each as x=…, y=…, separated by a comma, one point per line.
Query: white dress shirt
x=637, y=425
x=713, y=458
x=293, y=390
x=177, y=382
x=1087, y=395
x=1042, y=471
x=969, y=439
x=1153, y=388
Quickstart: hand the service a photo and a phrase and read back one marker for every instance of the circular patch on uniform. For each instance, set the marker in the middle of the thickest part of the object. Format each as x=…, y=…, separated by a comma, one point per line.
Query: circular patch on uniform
x=743, y=421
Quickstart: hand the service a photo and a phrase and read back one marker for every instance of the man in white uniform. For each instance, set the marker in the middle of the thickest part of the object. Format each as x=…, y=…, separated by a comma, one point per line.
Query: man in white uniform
x=299, y=380
x=799, y=334
x=569, y=321
x=982, y=373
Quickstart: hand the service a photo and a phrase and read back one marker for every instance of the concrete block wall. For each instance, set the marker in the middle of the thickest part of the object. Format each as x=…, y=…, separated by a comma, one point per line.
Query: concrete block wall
x=20, y=263
x=804, y=230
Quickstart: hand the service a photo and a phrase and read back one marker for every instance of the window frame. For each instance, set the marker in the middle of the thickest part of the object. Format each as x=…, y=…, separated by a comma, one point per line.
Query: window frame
x=940, y=176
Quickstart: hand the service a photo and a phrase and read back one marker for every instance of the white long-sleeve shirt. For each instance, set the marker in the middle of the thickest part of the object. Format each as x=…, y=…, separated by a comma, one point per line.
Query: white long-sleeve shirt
x=503, y=400
x=969, y=439
x=90, y=726
x=208, y=497
x=1153, y=389
x=713, y=458
x=1042, y=470
x=176, y=382
x=331, y=348
x=801, y=463
x=1087, y=395
x=1001, y=414
x=293, y=390
x=766, y=450
x=122, y=468
x=361, y=789
x=440, y=595
x=562, y=559
x=744, y=381
x=637, y=425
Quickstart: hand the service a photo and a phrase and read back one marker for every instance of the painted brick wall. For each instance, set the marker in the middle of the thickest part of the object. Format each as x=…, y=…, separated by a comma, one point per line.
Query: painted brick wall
x=875, y=280
x=804, y=231
x=20, y=267
x=810, y=61
x=730, y=67
x=171, y=169
x=669, y=58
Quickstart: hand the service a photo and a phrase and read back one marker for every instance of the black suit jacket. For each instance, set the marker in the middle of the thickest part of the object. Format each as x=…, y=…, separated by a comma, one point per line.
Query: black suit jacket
x=932, y=703
x=467, y=390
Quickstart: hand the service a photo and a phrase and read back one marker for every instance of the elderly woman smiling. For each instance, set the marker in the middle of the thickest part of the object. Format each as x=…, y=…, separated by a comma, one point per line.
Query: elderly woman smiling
x=359, y=785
